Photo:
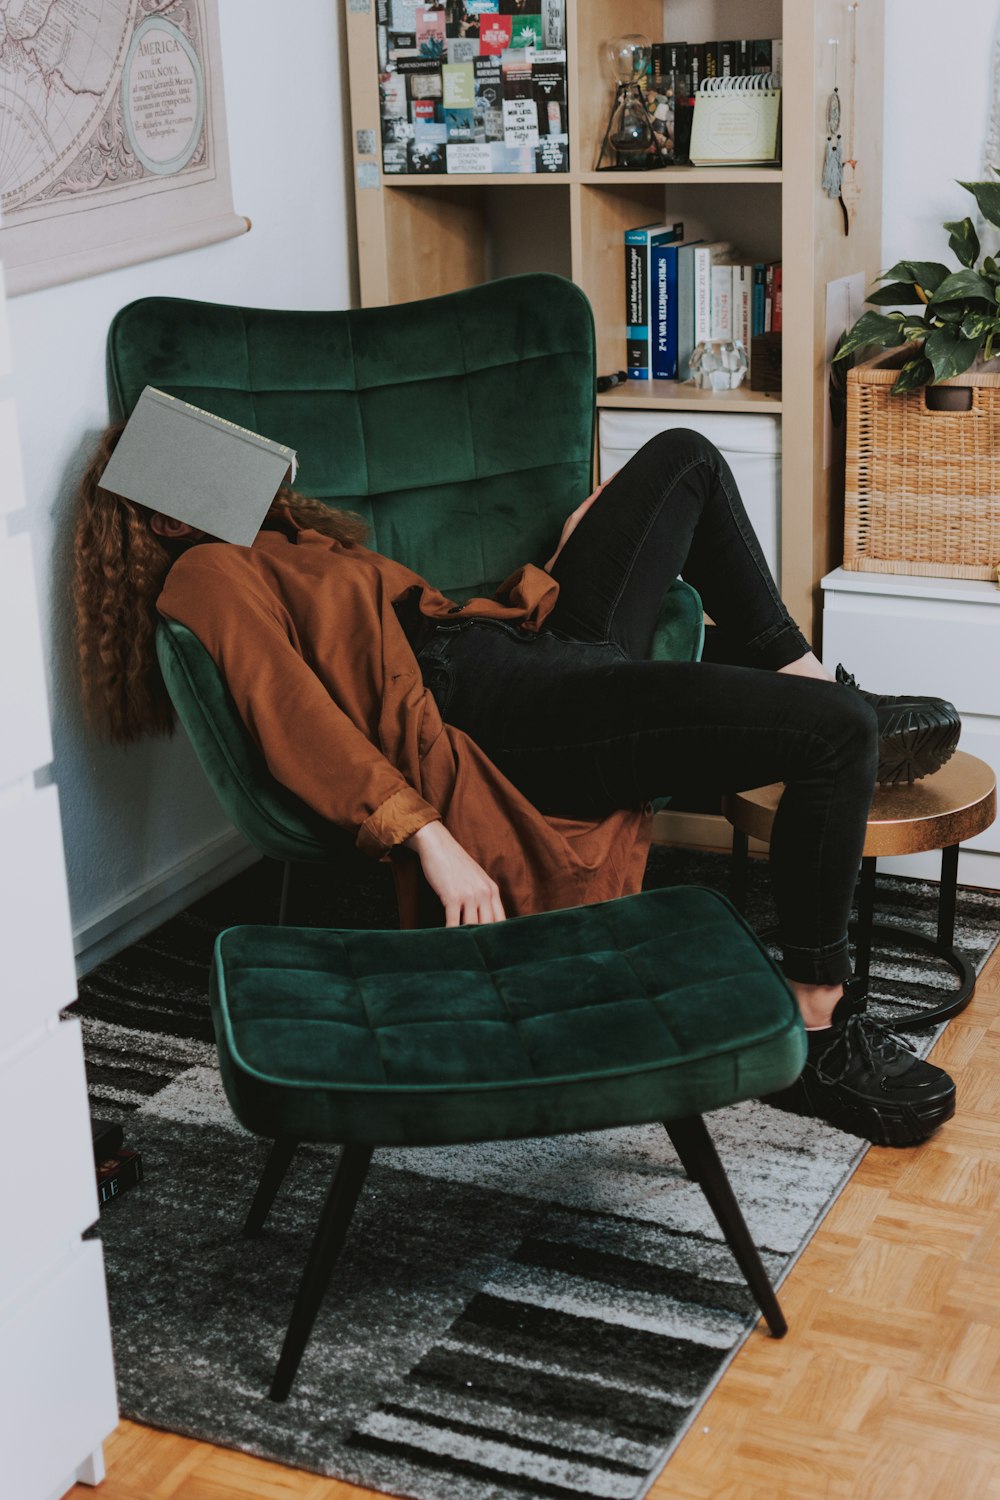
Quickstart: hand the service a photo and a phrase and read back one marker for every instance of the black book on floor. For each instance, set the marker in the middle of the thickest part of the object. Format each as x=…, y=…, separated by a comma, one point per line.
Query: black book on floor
x=117, y=1174
x=108, y=1138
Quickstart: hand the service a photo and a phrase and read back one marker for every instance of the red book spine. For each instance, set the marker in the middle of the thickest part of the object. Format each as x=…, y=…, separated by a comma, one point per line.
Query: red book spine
x=776, y=313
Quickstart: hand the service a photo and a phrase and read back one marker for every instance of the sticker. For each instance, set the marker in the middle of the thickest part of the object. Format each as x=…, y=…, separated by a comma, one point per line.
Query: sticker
x=365, y=141
x=367, y=175
x=363, y=6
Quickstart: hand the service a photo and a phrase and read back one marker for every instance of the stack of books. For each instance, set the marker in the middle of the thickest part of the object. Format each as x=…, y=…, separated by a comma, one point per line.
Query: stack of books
x=680, y=293
x=701, y=60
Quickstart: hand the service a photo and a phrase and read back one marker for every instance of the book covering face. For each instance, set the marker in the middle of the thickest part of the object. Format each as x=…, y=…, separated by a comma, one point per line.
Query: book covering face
x=193, y=466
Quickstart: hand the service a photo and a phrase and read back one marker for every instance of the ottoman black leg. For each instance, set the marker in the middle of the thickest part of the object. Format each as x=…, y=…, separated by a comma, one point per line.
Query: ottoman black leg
x=273, y=1175
x=700, y=1160
x=348, y=1180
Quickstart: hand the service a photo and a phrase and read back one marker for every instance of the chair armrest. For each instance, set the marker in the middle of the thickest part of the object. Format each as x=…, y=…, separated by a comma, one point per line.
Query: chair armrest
x=680, y=630
x=274, y=821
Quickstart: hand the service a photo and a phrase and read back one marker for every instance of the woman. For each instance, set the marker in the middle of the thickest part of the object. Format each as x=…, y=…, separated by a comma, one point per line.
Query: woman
x=414, y=721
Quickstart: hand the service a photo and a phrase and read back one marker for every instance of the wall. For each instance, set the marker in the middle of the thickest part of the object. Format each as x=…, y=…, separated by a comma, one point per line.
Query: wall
x=140, y=825
x=936, y=118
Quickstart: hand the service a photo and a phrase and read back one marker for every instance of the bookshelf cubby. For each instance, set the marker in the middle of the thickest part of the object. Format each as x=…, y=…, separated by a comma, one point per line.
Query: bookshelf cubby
x=424, y=235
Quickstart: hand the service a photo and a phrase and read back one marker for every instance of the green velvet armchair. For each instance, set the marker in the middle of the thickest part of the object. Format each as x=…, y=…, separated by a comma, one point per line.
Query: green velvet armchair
x=461, y=427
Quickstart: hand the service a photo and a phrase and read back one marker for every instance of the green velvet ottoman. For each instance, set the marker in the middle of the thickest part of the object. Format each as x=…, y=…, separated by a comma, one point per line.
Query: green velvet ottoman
x=653, y=1007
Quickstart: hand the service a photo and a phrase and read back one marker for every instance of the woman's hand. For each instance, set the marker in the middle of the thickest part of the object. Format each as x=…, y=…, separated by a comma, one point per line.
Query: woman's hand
x=573, y=520
x=463, y=888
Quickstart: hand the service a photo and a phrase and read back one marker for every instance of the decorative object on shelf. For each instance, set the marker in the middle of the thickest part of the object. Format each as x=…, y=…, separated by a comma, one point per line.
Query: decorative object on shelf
x=922, y=490
x=468, y=90
x=765, y=363
x=737, y=120
x=951, y=318
x=719, y=365
x=629, y=133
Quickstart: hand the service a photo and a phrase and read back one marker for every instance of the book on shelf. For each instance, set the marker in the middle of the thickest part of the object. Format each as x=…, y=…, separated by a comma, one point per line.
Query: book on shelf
x=672, y=281
x=117, y=1173
x=196, y=467
x=776, y=310
x=638, y=305
x=743, y=306
x=717, y=252
x=721, y=304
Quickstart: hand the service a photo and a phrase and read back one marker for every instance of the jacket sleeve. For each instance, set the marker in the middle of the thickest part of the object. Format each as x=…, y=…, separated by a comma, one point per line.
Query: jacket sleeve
x=309, y=743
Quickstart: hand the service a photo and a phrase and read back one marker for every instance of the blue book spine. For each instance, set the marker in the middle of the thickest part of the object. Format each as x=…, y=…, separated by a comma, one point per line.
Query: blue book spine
x=664, y=278
x=639, y=296
x=759, y=293
x=636, y=304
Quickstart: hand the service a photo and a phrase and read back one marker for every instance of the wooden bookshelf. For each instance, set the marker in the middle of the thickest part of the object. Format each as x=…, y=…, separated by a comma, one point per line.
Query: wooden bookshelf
x=422, y=236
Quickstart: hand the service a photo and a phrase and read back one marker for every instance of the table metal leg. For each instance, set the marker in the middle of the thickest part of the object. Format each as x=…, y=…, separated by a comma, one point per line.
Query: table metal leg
x=866, y=914
x=948, y=893
x=738, y=869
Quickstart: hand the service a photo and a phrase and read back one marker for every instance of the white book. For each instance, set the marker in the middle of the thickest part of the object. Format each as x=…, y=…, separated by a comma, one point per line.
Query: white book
x=704, y=256
x=721, y=317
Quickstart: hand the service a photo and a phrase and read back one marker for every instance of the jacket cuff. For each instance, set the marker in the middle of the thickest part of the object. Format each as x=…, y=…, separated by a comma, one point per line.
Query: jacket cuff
x=393, y=821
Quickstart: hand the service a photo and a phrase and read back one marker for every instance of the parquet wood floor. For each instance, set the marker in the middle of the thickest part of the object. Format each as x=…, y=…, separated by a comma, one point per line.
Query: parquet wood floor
x=887, y=1386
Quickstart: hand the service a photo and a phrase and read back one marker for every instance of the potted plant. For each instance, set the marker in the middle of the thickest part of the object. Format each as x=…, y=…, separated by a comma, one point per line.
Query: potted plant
x=955, y=316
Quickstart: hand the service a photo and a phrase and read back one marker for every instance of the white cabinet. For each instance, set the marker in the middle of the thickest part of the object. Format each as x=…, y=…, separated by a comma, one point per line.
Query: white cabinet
x=57, y=1384
x=749, y=442
x=925, y=635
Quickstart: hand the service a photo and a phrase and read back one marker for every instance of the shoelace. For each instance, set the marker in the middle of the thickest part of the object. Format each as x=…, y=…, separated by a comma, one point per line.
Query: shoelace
x=861, y=1033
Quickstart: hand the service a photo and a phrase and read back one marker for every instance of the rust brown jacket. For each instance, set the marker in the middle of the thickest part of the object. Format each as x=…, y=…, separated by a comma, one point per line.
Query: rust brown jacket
x=304, y=632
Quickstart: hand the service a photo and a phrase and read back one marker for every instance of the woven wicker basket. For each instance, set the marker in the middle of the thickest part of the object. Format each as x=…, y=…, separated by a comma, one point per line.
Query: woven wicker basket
x=922, y=487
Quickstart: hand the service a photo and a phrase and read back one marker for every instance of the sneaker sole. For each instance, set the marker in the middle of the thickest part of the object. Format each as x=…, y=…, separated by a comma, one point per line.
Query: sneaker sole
x=888, y=1124
x=918, y=748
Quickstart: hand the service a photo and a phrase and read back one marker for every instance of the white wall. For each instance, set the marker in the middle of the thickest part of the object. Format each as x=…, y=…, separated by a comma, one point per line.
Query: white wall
x=140, y=824
x=939, y=74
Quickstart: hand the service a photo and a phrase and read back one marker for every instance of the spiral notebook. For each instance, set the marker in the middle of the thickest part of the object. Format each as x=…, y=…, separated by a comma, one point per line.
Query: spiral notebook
x=736, y=120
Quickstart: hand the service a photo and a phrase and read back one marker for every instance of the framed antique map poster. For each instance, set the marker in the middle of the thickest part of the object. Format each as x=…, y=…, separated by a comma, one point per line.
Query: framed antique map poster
x=112, y=136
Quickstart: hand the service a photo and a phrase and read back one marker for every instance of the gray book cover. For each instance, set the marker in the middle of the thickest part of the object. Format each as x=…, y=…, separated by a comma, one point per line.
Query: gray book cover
x=197, y=467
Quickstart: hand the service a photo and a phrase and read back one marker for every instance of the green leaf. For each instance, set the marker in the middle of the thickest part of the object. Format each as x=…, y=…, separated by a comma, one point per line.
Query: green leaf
x=915, y=373
x=871, y=328
x=927, y=274
x=964, y=240
x=987, y=195
x=897, y=293
x=975, y=325
x=949, y=352
x=990, y=267
x=948, y=312
x=964, y=285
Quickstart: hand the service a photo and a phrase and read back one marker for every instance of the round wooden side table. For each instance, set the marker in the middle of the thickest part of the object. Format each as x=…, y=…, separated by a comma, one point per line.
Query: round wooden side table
x=939, y=812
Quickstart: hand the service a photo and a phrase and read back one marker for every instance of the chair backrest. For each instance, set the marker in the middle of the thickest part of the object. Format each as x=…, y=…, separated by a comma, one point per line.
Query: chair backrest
x=461, y=427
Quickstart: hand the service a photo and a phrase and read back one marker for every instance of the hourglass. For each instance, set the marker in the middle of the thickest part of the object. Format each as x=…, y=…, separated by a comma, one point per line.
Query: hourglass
x=629, y=133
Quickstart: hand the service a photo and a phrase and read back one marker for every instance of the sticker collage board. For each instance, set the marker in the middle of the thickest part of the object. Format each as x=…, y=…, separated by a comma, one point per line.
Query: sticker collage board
x=473, y=86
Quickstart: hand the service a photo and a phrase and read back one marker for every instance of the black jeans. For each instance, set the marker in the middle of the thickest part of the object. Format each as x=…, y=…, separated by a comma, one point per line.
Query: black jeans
x=581, y=723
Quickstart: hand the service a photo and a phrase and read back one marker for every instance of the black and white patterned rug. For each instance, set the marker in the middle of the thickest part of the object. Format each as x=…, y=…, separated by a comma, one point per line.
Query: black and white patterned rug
x=527, y=1319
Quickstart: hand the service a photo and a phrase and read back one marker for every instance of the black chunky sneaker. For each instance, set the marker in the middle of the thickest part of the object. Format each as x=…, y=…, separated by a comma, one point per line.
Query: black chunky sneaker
x=862, y=1078
x=916, y=735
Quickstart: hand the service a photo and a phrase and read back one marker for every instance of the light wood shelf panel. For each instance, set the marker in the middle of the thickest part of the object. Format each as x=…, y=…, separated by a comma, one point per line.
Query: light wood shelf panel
x=674, y=395
x=688, y=176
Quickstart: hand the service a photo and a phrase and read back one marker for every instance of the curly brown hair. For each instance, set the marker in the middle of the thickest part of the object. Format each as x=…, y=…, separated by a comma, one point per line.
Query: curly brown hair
x=119, y=569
